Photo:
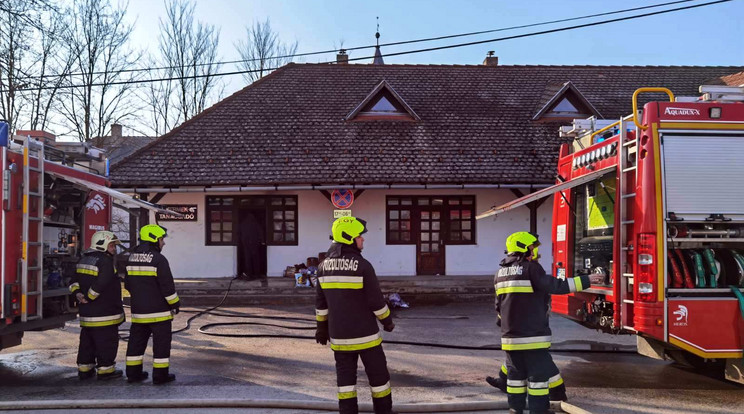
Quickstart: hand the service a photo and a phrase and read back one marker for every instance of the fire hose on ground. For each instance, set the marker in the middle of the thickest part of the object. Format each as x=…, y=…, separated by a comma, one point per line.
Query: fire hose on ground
x=559, y=406
x=491, y=406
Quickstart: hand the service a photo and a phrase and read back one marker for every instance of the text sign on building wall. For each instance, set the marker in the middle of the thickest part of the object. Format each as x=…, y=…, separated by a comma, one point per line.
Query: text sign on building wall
x=188, y=212
x=341, y=213
x=342, y=199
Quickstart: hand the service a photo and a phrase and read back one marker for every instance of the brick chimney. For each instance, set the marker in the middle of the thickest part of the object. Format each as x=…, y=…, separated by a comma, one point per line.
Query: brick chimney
x=342, y=57
x=490, y=59
x=115, y=131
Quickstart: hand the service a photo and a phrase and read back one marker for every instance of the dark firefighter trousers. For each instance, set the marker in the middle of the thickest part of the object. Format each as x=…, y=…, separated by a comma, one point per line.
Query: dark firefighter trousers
x=529, y=376
x=97, y=349
x=139, y=334
x=375, y=365
x=556, y=387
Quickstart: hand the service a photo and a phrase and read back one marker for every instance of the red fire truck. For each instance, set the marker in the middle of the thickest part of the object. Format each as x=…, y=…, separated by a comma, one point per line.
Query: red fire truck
x=49, y=213
x=656, y=204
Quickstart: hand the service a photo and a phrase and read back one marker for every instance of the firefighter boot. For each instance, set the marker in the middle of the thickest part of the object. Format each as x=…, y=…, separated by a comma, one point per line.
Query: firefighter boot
x=164, y=379
x=86, y=375
x=137, y=378
x=497, y=383
x=514, y=411
x=111, y=375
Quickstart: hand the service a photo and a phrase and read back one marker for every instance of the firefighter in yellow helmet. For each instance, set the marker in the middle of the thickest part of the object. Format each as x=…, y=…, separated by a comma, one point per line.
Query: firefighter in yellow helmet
x=348, y=307
x=154, y=302
x=98, y=291
x=523, y=292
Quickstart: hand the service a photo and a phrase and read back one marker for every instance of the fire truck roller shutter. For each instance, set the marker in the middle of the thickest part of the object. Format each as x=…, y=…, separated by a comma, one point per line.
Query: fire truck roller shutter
x=702, y=173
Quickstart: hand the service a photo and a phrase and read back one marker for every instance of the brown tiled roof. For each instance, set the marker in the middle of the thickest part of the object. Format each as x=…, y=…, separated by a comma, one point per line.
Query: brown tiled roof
x=736, y=79
x=474, y=127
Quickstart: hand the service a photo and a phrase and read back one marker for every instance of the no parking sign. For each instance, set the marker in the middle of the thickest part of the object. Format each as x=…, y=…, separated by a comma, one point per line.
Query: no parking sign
x=342, y=199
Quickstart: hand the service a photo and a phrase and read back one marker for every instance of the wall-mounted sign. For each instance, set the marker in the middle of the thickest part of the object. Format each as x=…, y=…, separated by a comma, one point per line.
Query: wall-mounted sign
x=341, y=213
x=188, y=212
x=342, y=199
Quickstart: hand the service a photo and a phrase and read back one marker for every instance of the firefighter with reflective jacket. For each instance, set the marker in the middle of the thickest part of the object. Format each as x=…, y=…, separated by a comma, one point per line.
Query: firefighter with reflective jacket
x=348, y=305
x=98, y=291
x=154, y=302
x=523, y=292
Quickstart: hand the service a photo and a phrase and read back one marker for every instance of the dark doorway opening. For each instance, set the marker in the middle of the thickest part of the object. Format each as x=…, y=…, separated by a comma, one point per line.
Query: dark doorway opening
x=252, y=243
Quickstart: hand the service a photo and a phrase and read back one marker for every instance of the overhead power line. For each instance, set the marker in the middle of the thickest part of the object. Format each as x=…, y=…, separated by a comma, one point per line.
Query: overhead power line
x=499, y=39
x=404, y=42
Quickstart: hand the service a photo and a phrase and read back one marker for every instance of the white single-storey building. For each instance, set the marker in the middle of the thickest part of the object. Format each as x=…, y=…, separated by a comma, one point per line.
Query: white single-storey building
x=416, y=150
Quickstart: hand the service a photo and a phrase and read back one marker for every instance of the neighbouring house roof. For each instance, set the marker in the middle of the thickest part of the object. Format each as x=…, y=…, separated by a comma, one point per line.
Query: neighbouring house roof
x=125, y=146
x=736, y=79
x=474, y=125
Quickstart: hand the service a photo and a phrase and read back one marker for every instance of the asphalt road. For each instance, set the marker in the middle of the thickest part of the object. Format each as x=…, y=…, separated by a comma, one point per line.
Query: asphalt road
x=217, y=368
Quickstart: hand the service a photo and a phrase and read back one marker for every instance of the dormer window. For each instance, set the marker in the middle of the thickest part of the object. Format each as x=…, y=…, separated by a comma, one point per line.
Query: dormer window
x=563, y=103
x=383, y=106
x=383, y=103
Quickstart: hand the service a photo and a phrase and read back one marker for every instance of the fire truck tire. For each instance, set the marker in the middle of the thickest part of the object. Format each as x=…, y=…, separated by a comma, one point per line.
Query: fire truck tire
x=710, y=367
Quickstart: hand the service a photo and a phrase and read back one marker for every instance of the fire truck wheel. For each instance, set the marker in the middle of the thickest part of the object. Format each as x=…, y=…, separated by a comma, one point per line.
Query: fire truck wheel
x=710, y=367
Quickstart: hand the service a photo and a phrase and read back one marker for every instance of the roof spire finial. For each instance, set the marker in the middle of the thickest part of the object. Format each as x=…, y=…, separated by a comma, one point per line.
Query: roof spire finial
x=378, y=55
x=377, y=35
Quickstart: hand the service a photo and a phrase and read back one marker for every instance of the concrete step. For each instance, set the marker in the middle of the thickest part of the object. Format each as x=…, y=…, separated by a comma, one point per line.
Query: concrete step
x=274, y=291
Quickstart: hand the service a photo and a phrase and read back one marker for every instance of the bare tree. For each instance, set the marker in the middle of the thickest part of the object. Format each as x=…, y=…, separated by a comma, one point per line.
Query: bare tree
x=31, y=69
x=51, y=70
x=98, y=45
x=15, y=40
x=188, y=51
x=262, y=51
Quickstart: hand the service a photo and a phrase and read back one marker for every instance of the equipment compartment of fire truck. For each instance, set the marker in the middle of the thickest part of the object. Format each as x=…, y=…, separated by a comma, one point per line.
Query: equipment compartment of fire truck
x=656, y=205
x=51, y=206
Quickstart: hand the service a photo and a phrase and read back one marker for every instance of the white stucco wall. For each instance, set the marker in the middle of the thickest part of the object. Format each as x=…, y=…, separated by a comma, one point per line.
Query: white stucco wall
x=191, y=258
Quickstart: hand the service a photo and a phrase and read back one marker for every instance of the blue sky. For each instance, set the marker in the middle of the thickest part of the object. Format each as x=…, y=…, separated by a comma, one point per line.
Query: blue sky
x=704, y=36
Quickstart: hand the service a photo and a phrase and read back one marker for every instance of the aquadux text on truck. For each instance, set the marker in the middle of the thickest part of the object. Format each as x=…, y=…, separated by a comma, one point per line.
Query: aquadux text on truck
x=50, y=210
x=656, y=205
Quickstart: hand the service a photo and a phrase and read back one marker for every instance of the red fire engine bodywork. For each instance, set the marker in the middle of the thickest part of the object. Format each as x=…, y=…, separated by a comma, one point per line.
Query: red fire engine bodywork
x=96, y=215
x=710, y=327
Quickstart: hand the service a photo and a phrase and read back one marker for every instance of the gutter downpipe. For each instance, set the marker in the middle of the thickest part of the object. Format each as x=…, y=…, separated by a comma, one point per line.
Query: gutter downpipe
x=205, y=189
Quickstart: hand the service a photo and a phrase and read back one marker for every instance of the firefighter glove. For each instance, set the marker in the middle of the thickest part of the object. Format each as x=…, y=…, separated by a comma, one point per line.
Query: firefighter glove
x=175, y=308
x=321, y=333
x=80, y=298
x=389, y=326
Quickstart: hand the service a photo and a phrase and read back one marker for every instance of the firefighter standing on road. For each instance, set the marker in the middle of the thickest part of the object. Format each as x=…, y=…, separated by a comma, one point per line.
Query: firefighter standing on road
x=154, y=302
x=98, y=290
x=522, y=296
x=348, y=305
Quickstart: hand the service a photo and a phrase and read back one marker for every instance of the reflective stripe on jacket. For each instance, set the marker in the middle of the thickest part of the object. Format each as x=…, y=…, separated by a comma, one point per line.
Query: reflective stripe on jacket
x=95, y=277
x=150, y=283
x=522, y=301
x=349, y=300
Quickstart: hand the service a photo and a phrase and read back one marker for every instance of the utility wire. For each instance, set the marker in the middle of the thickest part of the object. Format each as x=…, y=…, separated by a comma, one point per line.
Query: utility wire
x=562, y=29
x=404, y=42
x=240, y=72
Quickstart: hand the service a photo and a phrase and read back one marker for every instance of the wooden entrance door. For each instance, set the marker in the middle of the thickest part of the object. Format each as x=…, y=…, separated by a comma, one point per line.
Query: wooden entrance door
x=430, y=245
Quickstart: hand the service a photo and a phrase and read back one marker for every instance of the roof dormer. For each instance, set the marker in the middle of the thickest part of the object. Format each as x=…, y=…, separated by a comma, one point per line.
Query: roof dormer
x=383, y=103
x=564, y=102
